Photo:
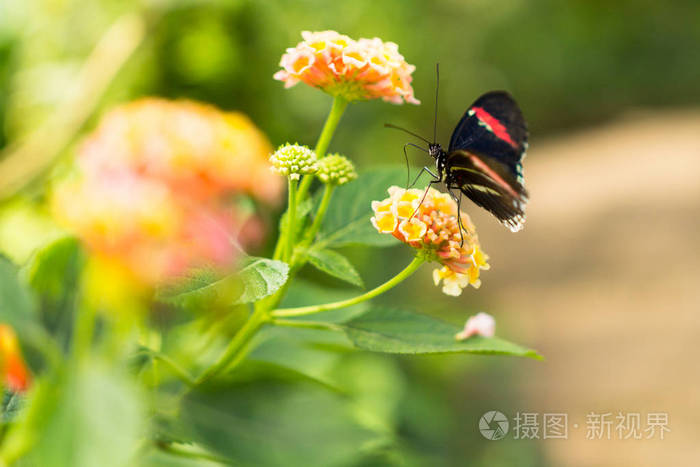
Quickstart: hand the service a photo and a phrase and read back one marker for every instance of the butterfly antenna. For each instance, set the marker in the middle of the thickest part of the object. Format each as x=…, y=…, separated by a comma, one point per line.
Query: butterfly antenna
x=390, y=125
x=437, y=89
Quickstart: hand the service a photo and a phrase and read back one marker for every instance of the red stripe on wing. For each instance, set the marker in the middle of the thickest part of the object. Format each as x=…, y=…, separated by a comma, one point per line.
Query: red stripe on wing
x=498, y=129
x=493, y=175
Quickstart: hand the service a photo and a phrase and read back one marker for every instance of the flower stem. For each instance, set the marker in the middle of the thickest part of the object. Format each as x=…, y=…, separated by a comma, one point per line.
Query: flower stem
x=180, y=372
x=320, y=214
x=284, y=249
x=237, y=345
x=307, y=310
x=83, y=329
x=294, y=323
x=191, y=451
x=291, y=214
x=339, y=106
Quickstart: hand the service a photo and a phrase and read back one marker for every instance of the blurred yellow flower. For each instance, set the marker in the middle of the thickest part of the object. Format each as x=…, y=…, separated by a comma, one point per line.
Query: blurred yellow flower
x=154, y=184
x=341, y=66
x=13, y=371
x=431, y=226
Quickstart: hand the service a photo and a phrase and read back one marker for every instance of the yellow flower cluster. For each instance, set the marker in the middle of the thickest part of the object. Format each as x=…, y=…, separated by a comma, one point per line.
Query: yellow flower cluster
x=431, y=226
x=154, y=182
x=352, y=69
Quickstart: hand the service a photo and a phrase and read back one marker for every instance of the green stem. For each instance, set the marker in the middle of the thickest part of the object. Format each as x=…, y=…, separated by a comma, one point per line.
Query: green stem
x=294, y=323
x=307, y=310
x=190, y=451
x=290, y=229
x=237, y=345
x=320, y=214
x=83, y=328
x=180, y=372
x=283, y=249
x=339, y=106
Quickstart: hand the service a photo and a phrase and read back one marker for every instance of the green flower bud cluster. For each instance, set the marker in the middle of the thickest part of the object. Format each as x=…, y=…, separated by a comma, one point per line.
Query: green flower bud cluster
x=294, y=160
x=335, y=169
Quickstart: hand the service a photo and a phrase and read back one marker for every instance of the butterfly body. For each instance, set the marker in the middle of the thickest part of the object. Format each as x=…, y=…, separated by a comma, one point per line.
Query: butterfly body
x=484, y=158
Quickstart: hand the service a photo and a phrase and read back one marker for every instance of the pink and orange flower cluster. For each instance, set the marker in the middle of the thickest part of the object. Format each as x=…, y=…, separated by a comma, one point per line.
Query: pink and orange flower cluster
x=352, y=69
x=431, y=226
x=154, y=184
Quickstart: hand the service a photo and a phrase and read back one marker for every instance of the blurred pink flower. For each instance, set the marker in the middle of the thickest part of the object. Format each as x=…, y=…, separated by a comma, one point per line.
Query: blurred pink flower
x=341, y=66
x=190, y=146
x=481, y=324
x=154, y=186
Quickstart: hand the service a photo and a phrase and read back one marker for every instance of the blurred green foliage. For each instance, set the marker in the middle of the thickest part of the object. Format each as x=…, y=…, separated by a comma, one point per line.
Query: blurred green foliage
x=568, y=63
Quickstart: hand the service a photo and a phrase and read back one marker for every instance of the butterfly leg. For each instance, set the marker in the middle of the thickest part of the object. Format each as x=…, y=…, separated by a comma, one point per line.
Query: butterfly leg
x=408, y=167
x=459, y=214
x=430, y=183
x=425, y=169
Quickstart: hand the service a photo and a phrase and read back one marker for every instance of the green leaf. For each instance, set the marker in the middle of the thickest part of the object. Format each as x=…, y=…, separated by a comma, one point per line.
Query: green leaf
x=335, y=264
x=17, y=305
x=204, y=289
x=262, y=277
x=296, y=352
x=402, y=332
x=90, y=416
x=348, y=218
x=275, y=422
x=53, y=273
x=11, y=404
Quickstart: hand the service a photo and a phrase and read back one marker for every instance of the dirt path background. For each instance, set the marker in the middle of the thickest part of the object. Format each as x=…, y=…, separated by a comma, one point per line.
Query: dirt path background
x=605, y=282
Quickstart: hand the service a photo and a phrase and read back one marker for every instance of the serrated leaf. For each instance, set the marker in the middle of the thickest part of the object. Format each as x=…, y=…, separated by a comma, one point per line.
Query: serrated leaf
x=333, y=263
x=262, y=277
x=204, y=288
x=348, y=218
x=403, y=332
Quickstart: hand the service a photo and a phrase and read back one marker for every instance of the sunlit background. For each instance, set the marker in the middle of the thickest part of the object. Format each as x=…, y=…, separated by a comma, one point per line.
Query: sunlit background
x=602, y=281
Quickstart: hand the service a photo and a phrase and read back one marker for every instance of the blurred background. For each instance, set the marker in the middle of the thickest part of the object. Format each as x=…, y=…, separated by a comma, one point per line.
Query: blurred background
x=602, y=281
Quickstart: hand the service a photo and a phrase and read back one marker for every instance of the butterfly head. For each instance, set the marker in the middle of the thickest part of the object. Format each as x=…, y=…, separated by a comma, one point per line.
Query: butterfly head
x=435, y=150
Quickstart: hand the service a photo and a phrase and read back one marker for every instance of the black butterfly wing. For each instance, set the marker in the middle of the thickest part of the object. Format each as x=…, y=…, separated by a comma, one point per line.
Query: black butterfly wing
x=493, y=125
x=490, y=185
x=485, y=157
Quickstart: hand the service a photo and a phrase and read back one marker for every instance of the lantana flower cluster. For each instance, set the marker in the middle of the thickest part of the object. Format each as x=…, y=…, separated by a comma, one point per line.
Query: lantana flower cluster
x=427, y=221
x=352, y=69
x=153, y=186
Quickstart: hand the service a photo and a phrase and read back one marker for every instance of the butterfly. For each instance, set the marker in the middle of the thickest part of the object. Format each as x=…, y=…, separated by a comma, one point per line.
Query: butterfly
x=484, y=158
